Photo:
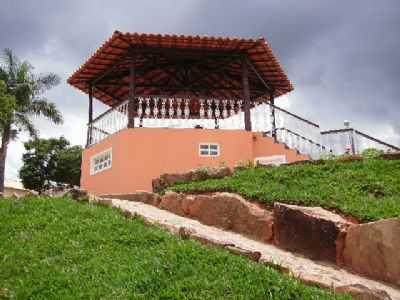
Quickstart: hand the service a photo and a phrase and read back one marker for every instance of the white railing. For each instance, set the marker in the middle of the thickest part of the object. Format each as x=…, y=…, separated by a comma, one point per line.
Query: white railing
x=349, y=140
x=179, y=112
x=110, y=122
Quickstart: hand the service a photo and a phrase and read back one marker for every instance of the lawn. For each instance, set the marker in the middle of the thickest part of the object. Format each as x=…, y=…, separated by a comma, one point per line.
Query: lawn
x=368, y=190
x=60, y=249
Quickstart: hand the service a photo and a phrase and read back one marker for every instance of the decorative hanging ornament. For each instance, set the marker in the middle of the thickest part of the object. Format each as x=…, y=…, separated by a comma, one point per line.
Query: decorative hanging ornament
x=178, y=107
x=155, y=108
x=140, y=109
x=224, y=110
x=147, y=110
x=209, y=109
x=217, y=113
x=171, y=107
x=163, y=109
x=186, y=110
x=232, y=107
x=201, y=111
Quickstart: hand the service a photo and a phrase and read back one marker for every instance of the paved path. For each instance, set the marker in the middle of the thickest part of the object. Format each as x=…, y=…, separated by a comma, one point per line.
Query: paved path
x=303, y=268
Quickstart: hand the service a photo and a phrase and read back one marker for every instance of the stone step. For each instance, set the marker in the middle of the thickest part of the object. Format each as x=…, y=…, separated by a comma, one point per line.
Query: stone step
x=311, y=272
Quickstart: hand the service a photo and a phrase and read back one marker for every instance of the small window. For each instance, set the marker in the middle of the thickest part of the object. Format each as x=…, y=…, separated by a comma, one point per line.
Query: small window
x=100, y=162
x=206, y=149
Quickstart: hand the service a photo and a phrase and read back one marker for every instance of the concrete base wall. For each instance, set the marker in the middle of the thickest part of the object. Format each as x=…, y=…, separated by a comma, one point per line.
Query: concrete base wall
x=141, y=154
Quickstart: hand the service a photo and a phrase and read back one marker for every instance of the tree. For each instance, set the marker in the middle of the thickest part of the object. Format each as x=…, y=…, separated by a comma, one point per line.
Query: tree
x=49, y=162
x=21, y=99
x=68, y=166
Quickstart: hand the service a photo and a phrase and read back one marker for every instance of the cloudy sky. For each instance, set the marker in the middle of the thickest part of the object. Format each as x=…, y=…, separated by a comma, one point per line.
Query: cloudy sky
x=342, y=56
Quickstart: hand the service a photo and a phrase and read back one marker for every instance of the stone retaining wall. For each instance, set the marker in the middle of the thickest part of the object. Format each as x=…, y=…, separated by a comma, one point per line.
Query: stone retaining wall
x=167, y=179
x=371, y=249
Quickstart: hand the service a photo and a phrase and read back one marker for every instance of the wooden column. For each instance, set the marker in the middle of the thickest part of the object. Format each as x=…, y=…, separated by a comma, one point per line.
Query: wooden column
x=246, y=95
x=90, y=121
x=273, y=121
x=131, y=99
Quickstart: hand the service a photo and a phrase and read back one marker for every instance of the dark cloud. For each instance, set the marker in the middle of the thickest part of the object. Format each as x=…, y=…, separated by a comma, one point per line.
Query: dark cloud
x=343, y=57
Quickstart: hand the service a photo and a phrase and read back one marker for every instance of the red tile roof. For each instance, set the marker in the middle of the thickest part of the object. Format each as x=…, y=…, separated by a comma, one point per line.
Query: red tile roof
x=116, y=47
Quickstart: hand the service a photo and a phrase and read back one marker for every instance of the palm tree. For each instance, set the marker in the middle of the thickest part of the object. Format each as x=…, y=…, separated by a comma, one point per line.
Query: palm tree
x=20, y=100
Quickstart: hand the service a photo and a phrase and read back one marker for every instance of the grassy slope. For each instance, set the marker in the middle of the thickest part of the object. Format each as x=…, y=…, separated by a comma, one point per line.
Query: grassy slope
x=368, y=190
x=61, y=249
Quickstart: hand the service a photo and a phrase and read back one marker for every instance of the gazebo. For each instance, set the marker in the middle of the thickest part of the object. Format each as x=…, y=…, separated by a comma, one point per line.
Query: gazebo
x=175, y=77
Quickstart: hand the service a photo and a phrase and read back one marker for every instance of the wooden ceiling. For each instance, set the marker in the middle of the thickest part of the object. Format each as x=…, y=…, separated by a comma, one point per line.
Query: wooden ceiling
x=188, y=66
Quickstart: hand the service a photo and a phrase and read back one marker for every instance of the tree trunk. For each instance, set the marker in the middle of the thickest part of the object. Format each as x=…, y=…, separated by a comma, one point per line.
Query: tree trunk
x=5, y=139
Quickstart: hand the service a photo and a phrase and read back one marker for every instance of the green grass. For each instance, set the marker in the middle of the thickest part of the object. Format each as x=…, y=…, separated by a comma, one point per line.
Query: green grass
x=60, y=249
x=368, y=190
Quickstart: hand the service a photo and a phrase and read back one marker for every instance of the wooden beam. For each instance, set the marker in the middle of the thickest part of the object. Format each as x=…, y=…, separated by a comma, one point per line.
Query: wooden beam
x=111, y=68
x=267, y=85
x=131, y=103
x=107, y=93
x=246, y=95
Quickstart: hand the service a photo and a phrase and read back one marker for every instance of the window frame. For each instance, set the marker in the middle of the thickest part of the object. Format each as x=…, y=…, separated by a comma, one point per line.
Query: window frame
x=99, y=155
x=218, y=150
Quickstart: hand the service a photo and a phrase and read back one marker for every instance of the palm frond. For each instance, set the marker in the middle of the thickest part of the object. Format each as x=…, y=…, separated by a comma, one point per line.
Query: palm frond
x=46, y=109
x=10, y=64
x=44, y=82
x=23, y=73
x=22, y=122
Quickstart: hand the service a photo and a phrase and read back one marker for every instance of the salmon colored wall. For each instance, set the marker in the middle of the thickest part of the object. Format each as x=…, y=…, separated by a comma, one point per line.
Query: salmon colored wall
x=141, y=154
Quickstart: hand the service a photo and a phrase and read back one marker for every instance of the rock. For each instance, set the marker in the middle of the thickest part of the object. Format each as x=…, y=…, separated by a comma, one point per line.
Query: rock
x=185, y=233
x=300, y=162
x=231, y=212
x=315, y=280
x=59, y=191
x=311, y=231
x=173, y=178
x=239, y=167
x=275, y=265
x=390, y=156
x=186, y=203
x=127, y=214
x=255, y=222
x=374, y=249
x=220, y=172
x=172, y=202
x=62, y=191
x=209, y=241
x=169, y=179
x=106, y=202
x=157, y=185
x=15, y=196
x=140, y=196
x=350, y=158
x=77, y=194
x=253, y=255
x=93, y=198
x=361, y=292
x=199, y=174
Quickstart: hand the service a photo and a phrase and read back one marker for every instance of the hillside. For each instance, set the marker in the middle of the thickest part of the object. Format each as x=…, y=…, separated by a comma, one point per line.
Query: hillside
x=57, y=248
x=368, y=190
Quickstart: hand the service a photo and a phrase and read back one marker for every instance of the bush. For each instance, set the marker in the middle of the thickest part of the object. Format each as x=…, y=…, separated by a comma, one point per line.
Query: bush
x=371, y=153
